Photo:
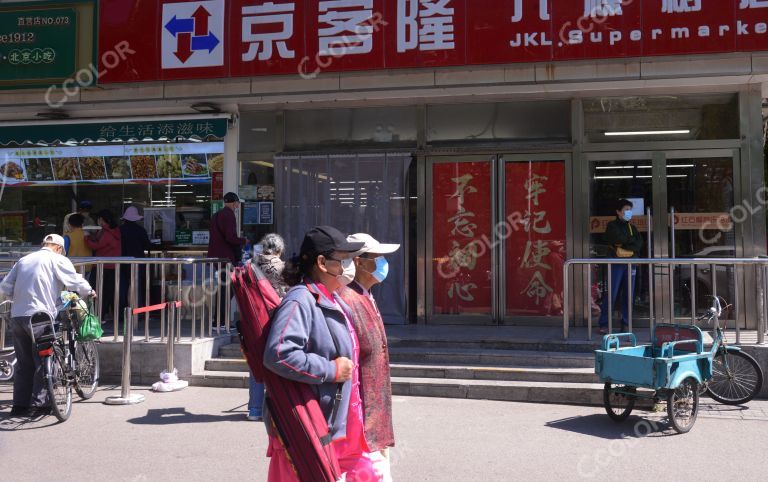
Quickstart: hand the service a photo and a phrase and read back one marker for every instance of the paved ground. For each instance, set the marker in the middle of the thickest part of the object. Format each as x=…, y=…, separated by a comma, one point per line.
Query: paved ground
x=201, y=434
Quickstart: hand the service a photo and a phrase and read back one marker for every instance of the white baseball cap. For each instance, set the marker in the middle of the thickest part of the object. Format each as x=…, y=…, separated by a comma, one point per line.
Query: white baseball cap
x=371, y=245
x=54, y=239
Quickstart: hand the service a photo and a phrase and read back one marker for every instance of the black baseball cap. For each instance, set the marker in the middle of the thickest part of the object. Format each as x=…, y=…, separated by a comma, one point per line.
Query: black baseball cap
x=324, y=239
x=231, y=197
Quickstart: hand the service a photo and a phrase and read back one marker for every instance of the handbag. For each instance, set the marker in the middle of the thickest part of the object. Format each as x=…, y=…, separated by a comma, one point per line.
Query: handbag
x=624, y=253
x=90, y=327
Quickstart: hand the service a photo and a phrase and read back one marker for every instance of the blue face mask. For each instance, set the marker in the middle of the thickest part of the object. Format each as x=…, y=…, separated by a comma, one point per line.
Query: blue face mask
x=382, y=269
x=627, y=216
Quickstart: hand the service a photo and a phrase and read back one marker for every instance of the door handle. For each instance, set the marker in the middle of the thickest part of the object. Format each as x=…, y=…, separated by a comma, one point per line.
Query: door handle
x=672, y=214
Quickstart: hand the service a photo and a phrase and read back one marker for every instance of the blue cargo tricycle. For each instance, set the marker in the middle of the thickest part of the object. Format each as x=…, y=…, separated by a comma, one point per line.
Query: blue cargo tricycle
x=675, y=367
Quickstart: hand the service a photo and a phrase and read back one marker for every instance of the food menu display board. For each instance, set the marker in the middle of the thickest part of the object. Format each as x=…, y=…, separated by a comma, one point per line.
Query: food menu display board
x=145, y=163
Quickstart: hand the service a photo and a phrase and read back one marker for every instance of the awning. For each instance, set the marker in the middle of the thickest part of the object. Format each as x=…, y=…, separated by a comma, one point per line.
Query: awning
x=147, y=129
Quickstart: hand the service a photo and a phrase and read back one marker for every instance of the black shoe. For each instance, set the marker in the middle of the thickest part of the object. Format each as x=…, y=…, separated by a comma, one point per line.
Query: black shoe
x=624, y=328
x=19, y=411
x=39, y=412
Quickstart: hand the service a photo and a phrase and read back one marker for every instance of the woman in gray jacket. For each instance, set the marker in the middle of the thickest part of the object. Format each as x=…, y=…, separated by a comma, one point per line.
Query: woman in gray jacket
x=310, y=340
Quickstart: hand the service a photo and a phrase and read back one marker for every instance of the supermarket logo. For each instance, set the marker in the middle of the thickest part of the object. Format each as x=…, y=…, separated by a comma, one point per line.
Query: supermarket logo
x=192, y=34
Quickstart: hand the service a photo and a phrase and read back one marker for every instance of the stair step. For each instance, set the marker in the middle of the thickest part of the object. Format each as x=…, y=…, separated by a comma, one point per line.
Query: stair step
x=461, y=356
x=484, y=372
x=219, y=379
x=436, y=342
x=230, y=351
x=226, y=365
x=466, y=372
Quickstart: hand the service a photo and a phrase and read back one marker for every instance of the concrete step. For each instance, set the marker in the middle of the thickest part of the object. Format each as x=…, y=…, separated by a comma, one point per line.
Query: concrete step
x=465, y=372
x=435, y=341
x=219, y=379
x=514, y=358
x=226, y=365
x=504, y=390
x=469, y=372
x=230, y=351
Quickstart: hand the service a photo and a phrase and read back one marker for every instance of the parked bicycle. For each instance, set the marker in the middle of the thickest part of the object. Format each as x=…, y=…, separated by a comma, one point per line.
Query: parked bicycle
x=67, y=362
x=7, y=357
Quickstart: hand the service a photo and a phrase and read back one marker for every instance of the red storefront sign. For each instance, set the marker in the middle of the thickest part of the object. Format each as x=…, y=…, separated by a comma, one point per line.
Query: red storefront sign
x=461, y=246
x=535, y=246
x=172, y=39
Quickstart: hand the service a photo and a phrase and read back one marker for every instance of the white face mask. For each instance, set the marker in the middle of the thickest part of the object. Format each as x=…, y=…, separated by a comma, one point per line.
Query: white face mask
x=348, y=274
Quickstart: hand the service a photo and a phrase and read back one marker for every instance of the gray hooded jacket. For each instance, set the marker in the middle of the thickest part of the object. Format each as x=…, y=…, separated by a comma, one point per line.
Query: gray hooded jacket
x=300, y=348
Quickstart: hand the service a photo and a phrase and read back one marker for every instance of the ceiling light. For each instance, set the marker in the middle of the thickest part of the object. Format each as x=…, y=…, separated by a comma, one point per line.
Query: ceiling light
x=206, y=108
x=648, y=133
x=614, y=177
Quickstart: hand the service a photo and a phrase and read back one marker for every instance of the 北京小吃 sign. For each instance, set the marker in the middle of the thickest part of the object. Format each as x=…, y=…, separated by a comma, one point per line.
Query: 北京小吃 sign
x=37, y=46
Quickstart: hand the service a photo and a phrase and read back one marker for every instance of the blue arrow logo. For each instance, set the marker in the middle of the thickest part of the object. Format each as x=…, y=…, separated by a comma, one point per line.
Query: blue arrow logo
x=177, y=25
x=208, y=42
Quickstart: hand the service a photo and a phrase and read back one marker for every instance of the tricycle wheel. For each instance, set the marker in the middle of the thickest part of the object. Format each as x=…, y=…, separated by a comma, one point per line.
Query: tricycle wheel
x=683, y=405
x=619, y=400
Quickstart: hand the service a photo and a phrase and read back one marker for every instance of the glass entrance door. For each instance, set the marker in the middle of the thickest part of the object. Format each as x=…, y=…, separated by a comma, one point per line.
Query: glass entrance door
x=690, y=198
x=700, y=200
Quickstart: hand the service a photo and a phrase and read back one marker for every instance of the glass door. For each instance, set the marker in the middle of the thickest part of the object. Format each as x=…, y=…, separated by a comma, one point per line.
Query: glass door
x=700, y=200
x=462, y=279
x=614, y=177
x=690, y=198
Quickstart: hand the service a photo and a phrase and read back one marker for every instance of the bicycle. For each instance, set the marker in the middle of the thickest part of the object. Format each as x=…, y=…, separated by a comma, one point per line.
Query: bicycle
x=67, y=362
x=736, y=376
x=7, y=358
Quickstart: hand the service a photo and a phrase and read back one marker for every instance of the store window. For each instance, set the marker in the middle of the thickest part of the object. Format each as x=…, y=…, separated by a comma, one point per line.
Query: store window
x=661, y=118
x=384, y=127
x=171, y=183
x=357, y=193
x=499, y=122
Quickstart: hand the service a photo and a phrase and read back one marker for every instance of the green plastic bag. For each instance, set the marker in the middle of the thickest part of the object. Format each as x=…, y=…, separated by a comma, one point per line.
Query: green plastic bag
x=90, y=327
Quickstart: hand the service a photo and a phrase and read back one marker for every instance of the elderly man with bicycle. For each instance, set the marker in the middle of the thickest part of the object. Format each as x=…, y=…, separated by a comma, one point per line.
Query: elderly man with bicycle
x=35, y=284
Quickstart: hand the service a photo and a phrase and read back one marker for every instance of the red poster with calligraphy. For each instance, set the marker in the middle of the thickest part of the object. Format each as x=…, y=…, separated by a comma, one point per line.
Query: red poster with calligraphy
x=535, y=250
x=462, y=272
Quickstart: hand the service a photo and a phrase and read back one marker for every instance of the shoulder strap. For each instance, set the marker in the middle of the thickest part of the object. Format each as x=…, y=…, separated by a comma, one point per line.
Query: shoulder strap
x=339, y=386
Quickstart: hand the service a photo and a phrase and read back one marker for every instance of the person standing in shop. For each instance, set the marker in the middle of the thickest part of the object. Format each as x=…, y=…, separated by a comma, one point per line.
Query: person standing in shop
x=106, y=243
x=624, y=241
x=74, y=242
x=134, y=243
x=84, y=210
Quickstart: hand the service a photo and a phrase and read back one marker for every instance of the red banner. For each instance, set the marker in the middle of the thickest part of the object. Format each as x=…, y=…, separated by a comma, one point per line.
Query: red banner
x=535, y=247
x=175, y=39
x=461, y=229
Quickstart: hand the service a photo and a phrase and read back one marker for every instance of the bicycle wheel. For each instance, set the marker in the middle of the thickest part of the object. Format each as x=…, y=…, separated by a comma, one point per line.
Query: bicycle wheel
x=683, y=405
x=59, y=389
x=87, y=369
x=736, y=378
x=618, y=405
x=7, y=370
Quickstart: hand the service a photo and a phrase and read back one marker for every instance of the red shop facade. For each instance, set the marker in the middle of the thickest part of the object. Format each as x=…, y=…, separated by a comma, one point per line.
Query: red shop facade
x=456, y=128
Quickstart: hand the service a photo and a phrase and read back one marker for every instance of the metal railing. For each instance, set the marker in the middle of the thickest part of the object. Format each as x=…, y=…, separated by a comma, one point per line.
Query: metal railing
x=760, y=266
x=196, y=282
